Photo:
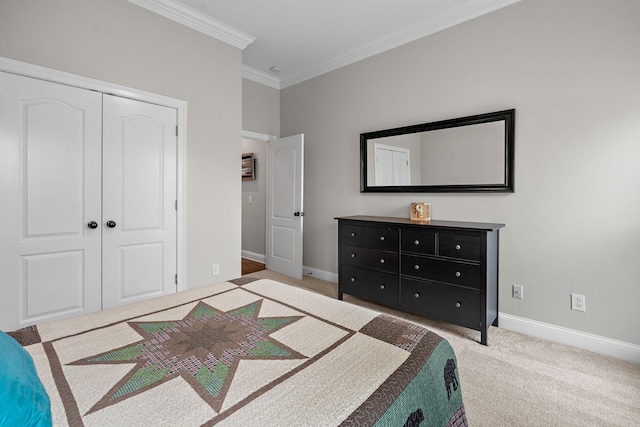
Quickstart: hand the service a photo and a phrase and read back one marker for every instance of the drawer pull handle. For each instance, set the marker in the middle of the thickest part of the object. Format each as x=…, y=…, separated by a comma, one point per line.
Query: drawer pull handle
x=353, y=255
x=353, y=279
x=381, y=286
x=458, y=247
x=382, y=261
x=458, y=274
x=416, y=295
x=417, y=267
x=382, y=238
x=458, y=305
x=353, y=234
x=417, y=242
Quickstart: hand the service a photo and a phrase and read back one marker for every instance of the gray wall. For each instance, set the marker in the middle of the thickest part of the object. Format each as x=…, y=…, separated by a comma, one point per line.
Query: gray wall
x=464, y=155
x=571, y=70
x=260, y=108
x=118, y=42
x=261, y=114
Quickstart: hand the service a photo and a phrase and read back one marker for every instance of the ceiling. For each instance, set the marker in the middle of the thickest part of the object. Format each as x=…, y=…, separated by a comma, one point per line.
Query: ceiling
x=306, y=38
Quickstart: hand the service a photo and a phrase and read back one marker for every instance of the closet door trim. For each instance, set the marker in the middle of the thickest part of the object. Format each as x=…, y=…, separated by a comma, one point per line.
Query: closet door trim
x=55, y=76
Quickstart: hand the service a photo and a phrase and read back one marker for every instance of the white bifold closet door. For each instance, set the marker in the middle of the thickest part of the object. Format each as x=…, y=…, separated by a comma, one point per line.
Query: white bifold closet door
x=66, y=170
x=139, y=201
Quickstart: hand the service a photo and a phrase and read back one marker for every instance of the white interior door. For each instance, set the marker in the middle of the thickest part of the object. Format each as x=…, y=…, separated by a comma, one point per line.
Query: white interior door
x=50, y=142
x=402, y=175
x=384, y=167
x=285, y=176
x=392, y=166
x=139, y=201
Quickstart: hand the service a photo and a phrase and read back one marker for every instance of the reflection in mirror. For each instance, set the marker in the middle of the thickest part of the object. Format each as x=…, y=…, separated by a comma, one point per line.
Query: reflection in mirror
x=468, y=154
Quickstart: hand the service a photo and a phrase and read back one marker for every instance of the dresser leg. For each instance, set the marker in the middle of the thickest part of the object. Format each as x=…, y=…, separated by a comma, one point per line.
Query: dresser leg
x=340, y=295
x=483, y=336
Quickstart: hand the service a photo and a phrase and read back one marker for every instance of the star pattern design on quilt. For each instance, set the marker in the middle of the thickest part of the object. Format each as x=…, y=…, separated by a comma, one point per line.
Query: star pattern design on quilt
x=204, y=348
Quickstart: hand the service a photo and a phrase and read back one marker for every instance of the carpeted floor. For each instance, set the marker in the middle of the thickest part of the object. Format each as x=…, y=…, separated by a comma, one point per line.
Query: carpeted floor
x=519, y=380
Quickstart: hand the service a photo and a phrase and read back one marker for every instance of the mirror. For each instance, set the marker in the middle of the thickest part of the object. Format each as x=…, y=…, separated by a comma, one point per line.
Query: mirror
x=466, y=154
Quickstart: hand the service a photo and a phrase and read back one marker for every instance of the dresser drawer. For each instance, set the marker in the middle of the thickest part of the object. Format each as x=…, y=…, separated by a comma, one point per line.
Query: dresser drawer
x=463, y=246
x=453, y=272
x=449, y=303
x=383, y=238
x=370, y=258
x=373, y=285
x=353, y=235
x=419, y=241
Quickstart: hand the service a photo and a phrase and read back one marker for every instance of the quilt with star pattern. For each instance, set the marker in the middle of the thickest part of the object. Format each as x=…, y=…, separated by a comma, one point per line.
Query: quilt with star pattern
x=245, y=352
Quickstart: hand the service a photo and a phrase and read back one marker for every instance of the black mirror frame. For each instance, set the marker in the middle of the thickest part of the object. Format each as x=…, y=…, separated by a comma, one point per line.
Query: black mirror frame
x=509, y=123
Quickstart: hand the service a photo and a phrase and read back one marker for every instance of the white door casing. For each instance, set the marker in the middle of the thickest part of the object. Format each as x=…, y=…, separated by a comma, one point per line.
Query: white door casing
x=50, y=143
x=139, y=201
x=285, y=185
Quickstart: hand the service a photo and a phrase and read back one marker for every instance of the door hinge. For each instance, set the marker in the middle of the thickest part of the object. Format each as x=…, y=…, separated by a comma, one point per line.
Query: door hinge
x=176, y=205
x=176, y=279
x=176, y=130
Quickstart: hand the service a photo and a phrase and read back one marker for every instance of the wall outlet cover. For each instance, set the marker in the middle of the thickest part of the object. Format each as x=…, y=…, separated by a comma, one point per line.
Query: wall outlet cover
x=517, y=291
x=578, y=302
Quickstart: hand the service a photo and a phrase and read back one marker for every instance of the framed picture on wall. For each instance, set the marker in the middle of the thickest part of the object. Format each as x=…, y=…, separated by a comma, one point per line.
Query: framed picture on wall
x=248, y=167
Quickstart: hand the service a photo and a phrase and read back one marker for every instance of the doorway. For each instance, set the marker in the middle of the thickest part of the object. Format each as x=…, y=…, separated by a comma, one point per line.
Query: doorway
x=254, y=198
x=272, y=203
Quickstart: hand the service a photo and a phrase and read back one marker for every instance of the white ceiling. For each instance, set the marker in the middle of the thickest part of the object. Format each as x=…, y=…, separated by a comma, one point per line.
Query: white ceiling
x=306, y=38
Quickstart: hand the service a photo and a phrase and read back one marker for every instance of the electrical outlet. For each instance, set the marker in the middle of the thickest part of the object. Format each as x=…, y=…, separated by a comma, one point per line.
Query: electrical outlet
x=578, y=302
x=215, y=269
x=517, y=291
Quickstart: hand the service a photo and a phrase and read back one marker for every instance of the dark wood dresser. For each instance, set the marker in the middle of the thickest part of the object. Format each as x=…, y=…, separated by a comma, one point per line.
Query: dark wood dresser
x=445, y=270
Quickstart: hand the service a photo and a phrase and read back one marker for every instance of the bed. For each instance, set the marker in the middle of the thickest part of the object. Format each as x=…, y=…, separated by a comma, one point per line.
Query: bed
x=245, y=352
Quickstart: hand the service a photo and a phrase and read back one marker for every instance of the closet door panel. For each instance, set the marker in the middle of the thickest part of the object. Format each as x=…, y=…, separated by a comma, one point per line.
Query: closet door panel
x=139, y=193
x=50, y=160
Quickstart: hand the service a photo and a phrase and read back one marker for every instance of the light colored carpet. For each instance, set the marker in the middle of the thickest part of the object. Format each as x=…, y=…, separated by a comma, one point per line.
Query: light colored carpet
x=520, y=380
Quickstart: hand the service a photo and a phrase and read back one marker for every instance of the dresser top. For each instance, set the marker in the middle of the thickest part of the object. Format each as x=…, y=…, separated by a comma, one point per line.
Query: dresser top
x=487, y=226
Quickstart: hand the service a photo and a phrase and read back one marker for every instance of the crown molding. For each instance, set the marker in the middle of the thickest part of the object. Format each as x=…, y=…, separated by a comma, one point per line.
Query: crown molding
x=193, y=19
x=255, y=136
x=448, y=18
x=197, y=21
x=261, y=77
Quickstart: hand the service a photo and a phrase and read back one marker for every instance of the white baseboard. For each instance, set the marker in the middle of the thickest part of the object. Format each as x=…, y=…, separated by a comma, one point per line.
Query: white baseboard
x=595, y=343
x=253, y=256
x=320, y=274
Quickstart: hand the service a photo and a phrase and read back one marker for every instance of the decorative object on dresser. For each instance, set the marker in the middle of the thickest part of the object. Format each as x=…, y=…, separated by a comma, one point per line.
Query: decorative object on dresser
x=421, y=211
x=445, y=270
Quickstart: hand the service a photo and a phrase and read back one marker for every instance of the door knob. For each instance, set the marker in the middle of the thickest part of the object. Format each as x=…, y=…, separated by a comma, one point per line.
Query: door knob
x=111, y=224
x=92, y=224
x=298, y=214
